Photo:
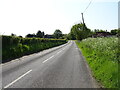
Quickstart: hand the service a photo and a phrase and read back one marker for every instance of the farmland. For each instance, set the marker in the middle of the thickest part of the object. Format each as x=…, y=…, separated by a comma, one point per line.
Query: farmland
x=102, y=56
x=14, y=47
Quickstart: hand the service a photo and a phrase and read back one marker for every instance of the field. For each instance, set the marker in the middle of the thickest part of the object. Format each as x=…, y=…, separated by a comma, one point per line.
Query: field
x=14, y=47
x=102, y=55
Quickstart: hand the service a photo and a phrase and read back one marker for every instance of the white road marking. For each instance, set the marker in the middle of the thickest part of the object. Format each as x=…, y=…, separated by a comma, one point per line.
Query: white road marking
x=59, y=52
x=48, y=59
x=17, y=79
x=52, y=56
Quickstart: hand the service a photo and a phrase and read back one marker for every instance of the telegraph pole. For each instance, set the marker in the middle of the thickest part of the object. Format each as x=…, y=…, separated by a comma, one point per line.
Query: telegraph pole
x=82, y=18
x=83, y=21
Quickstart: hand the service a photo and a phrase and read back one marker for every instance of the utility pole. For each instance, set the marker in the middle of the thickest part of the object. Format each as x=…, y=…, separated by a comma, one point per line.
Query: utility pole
x=83, y=22
x=82, y=18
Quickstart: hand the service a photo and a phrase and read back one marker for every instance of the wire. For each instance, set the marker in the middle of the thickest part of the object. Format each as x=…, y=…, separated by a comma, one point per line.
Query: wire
x=87, y=6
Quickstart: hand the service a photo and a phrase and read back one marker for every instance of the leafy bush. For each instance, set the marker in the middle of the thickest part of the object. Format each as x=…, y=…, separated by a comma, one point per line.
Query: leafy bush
x=101, y=55
x=14, y=47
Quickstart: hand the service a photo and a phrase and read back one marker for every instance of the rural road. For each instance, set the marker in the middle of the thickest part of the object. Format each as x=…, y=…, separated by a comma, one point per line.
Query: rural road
x=58, y=67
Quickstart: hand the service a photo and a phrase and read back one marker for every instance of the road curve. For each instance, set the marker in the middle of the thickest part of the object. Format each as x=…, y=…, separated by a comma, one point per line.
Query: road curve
x=59, y=67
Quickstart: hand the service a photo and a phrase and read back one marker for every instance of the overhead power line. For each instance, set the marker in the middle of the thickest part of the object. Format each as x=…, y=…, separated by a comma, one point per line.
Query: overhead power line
x=85, y=10
x=87, y=6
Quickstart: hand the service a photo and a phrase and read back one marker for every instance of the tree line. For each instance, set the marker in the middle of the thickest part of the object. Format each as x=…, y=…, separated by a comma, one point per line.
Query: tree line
x=81, y=31
x=78, y=32
x=56, y=35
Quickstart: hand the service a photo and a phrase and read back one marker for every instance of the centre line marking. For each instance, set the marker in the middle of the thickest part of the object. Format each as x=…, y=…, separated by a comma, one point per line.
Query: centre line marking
x=17, y=79
x=59, y=52
x=48, y=59
x=64, y=49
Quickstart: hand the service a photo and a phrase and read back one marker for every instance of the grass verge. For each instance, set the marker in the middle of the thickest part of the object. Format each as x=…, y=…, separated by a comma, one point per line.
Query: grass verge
x=102, y=57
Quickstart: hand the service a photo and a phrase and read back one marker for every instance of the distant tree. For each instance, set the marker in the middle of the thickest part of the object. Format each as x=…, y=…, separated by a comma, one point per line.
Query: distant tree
x=114, y=32
x=40, y=34
x=13, y=34
x=20, y=36
x=64, y=36
x=71, y=36
x=102, y=30
x=43, y=34
x=95, y=30
x=99, y=30
x=57, y=34
x=30, y=35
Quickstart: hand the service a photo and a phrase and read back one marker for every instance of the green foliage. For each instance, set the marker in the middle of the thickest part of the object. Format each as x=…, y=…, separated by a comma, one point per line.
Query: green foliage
x=57, y=34
x=79, y=32
x=64, y=36
x=71, y=36
x=99, y=30
x=119, y=32
x=114, y=32
x=13, y=47
x=101, y=55
x=40, y=34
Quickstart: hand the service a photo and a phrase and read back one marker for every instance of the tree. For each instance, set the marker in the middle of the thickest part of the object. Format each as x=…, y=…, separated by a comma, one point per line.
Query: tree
x=20, y=36
x=79, y=32
x=39, y=34
x=71, y=36
x=64, y=36
x=57, y=34
x=13, y=34
x=114, y=32
x=43, y=34
x=30, y=35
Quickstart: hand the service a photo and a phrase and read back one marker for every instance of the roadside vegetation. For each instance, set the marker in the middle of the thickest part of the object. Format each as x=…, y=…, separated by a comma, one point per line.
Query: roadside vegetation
x=102, y=55
x=14, y=47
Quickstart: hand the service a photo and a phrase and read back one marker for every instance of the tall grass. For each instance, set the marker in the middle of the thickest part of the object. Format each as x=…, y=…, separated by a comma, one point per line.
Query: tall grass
x=102, y=56
x=13, y=47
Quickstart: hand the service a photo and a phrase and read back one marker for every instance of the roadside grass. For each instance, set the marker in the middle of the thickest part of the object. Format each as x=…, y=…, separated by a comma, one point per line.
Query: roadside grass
x=102, y=57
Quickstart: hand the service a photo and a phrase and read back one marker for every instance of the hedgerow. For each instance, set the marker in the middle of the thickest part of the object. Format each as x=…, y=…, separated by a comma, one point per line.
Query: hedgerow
x=14, y=47
x=102, y=57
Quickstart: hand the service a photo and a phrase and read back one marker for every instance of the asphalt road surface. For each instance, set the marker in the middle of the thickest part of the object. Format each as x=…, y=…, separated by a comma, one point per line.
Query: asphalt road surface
x=58, y=67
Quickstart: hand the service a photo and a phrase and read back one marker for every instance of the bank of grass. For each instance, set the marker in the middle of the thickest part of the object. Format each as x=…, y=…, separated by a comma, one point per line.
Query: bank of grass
x=14, y=47
x=102, y=57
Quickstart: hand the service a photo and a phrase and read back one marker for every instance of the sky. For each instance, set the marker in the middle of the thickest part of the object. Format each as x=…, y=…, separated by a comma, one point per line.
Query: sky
x=28, y=16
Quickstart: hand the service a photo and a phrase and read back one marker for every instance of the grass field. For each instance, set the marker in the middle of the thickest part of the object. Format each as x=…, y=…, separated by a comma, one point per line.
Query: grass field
x=102, y=55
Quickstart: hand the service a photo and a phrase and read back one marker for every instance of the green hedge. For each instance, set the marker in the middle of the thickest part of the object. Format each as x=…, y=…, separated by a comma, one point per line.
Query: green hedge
x=14, y=47
x=102, y=57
